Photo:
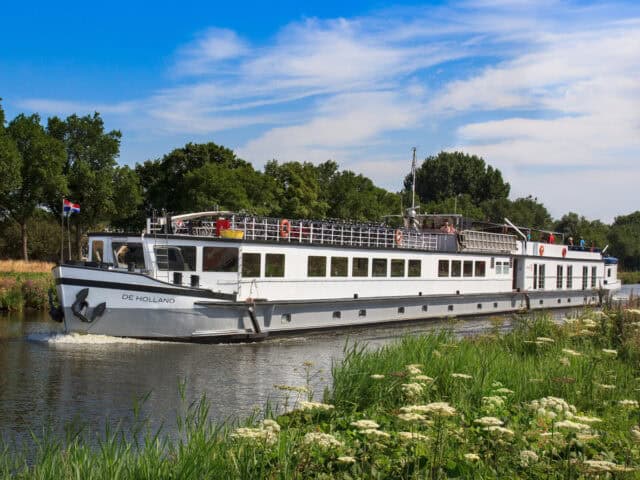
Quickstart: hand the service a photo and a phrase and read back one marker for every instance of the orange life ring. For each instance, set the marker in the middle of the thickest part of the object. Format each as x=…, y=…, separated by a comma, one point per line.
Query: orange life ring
x=398, y=237
x=564, y=252
x=541, y=250
x=285, y=228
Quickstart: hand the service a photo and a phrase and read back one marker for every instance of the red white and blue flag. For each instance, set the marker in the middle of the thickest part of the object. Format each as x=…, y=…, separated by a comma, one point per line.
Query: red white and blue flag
x=69, y=207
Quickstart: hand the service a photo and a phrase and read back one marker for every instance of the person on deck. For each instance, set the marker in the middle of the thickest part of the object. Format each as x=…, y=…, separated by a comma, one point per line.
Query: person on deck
x=582, y=243
x=552, y=238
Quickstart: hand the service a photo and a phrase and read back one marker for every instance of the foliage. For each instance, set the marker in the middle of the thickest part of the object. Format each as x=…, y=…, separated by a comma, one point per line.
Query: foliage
x=40, y=162
x=576, y=226
x=624, y=238
x=44, y=237
x=452, y=173
x=24, y=290
x=629, y=278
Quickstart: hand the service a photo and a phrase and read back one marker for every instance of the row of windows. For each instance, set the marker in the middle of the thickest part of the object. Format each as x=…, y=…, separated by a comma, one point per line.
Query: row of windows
x=380, y=267
x=539, y=275
x=459, y=268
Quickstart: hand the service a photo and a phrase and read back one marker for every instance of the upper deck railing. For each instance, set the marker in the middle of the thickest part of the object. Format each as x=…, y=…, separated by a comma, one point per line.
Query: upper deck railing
x=341, y=234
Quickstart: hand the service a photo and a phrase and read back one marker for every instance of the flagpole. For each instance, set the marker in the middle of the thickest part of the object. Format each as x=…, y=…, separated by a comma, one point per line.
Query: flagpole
x=69, y=233
x=62, y=233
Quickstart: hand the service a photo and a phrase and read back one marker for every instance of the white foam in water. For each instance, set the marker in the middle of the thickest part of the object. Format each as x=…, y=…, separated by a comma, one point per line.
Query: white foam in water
x=84, y=339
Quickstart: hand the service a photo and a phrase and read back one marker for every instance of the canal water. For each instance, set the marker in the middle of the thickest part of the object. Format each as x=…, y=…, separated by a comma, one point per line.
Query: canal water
x=49, y=380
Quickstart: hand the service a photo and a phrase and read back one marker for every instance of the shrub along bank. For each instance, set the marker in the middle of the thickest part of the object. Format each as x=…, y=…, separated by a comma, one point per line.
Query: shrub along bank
x=543, y=401
x=24, y=290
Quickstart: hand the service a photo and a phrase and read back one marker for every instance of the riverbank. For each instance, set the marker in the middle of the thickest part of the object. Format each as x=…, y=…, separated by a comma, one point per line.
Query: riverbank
x=629, y=277
x=542, y=401
x=24, y=285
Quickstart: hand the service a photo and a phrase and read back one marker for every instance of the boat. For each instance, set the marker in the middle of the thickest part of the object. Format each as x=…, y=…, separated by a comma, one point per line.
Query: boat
x=224, y=276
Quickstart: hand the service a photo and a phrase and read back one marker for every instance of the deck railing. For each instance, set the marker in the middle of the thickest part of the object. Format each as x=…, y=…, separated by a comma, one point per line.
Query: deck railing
x=345, y=234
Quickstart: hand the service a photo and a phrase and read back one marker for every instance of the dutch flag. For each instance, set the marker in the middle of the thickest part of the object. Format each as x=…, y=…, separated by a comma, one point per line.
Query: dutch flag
x=70, y=207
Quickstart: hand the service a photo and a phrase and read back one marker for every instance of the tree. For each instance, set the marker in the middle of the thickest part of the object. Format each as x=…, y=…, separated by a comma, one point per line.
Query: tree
x=9, y=162
x=624, y=238
x=40, y=160
x=90, y=169
x=128, y=199
x=452, y=173
x=576, y=226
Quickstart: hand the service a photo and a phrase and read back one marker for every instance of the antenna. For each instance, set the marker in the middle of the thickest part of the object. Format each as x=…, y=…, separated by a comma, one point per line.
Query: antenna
x=413, y=182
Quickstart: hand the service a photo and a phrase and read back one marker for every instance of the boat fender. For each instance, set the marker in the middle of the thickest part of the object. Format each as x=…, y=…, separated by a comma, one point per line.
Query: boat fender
x=398, y=237
x=564, y=252
x=55, y=312
x=254, y=321
x=541, y=250
x=285, y=228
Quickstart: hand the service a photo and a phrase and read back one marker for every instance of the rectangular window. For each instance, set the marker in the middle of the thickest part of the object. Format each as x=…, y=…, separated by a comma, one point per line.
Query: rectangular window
x=274, y=265
x=316, y=266
x=339, y=266
x=443, y=268
x=585, y=277
x=569, y=276
x=541, y=276
x=219, y=259
x=250, y=264
x=379, y=267
x=360, y=267
x=594, y=273
x=481, y=268
x=608, y=272
x=467, y=268
x=397, y=268
x=456, y=268
x=559, y=277
x=505, y=267
x=126, y=253
x=535, y=276
x=176, y=258
x=97, y=251
x=415, y=268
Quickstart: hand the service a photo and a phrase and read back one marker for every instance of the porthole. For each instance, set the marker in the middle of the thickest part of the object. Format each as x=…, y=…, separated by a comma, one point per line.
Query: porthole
x=495, y=304
x=337, y=314
x=541, y=302
x=450, y=308
x=425, y=308
x=568, y=300
x=400, y=309
x=362, y=313
x=559, y=300
x=479, y=306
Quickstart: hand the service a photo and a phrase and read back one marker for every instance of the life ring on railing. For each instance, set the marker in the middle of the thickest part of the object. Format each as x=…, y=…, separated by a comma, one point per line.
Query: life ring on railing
x=541, y=250
x=398, y=237
x=285, y=228
x=564, y=252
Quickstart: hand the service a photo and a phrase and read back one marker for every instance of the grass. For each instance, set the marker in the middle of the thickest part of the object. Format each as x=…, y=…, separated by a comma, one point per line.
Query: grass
x=542, y=401
x=20, y=266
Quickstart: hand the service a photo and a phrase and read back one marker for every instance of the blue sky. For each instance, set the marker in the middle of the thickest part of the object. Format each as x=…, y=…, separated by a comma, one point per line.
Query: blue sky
x=546, y=91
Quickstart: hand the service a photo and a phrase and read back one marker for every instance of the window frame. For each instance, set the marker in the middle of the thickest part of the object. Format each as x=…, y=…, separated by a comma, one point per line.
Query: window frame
x=281, y=267
x=323, y=269
x=443, y=268
x=357, y=269
x=232, y=268
x=381, y=274
x=243, y=272
x=336, y=264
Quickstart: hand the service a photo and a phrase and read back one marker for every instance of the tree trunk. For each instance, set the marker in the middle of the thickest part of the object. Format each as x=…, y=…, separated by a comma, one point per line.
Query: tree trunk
x=23, y=232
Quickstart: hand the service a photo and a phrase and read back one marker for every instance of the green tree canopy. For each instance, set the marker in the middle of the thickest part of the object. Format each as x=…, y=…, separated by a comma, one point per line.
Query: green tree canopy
x=90, y=169
x=624, y=238
x=40, y=161
x=452, y=173
x=576, y=226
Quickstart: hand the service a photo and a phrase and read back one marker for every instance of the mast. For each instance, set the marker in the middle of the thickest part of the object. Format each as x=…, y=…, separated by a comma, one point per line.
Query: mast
x=413, y=182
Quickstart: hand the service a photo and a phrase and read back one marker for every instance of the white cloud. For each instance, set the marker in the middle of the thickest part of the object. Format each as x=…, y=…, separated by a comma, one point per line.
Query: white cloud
x=210, y=48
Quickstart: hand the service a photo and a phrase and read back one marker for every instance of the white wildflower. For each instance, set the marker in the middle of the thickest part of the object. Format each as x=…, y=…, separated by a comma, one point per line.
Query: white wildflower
x=488, y=421
x=527, y=457
x=499, y=431
x=375, y=433
x=497, y=384
x=579, y=418
x=414, y=369
x=411, y=417
x=569, y=425
x=587, y=437
x=493, y=402
x=272, y=425
x=409, y=436
x=322, y=440
x=573, y=353
x=628, y=403
x=268, y=436
x=438, y=408
x=565, y=361
x=346, y=459
x=304, y=405
x=503, y=390
x=364, y=424
x=472, y=457
x=545, y=339
x=608, y=351
x=605, y=386
x=412, y=390
x=463, y=376
x=377, y=376
x=635, y=433
x=422, y=378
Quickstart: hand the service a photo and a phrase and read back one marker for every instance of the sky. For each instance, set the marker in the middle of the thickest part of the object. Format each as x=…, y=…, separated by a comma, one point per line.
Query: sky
x=546, y=91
